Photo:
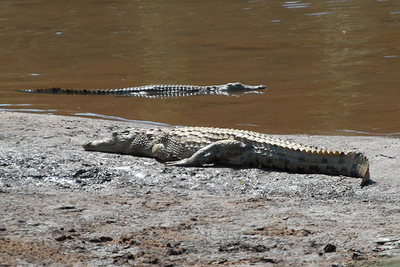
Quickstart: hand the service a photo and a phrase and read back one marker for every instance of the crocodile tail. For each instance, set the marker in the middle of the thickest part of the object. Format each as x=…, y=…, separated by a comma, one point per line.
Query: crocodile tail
x=59, y=91
x=323, y=161
x=360, y=167
x=350, y=164
x=360, y=164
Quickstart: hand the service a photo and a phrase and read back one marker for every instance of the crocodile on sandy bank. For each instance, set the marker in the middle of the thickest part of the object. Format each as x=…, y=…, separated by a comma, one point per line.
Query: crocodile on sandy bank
x=197, y=146
x=160, y=91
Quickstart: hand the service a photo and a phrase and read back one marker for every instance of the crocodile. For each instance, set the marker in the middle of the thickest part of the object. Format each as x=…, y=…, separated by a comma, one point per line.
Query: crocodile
x=200, y=146
x=159, y=90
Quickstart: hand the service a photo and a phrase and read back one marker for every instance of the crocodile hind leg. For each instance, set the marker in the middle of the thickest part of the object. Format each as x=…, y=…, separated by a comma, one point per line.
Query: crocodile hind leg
x=216, y=152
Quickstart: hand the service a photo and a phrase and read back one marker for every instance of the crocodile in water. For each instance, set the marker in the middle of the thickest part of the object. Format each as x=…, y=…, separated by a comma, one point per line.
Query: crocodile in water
x=197, y=146
x=160, y=91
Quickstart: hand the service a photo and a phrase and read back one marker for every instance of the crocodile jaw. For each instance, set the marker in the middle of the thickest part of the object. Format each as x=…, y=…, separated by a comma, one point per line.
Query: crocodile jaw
x=134, y=142
x=118, y=142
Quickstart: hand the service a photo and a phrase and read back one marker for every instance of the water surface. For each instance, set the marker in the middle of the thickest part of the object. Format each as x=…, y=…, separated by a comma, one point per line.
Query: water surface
x=331, y=67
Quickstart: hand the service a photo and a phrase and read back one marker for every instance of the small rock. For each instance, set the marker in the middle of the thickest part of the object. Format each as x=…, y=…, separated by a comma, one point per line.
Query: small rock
x=357, y=256
x=260, y=248
x=32, y=223
x=268, y=260
x=330, y=248
x=382, y=241
x=63, y=238
x=101, y=239
x=154, y=261
x=177, y=251
x=66, y=208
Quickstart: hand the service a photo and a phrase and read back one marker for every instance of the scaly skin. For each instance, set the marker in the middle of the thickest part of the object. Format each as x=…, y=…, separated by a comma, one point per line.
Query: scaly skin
x=159, y=91
x=197, y=146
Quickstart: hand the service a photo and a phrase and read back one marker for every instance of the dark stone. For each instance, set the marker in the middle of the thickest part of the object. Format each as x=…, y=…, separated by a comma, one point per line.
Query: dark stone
x=177, y=251
x=260, y=248
x=357, y=256
x=66, y=208
x=101, y=239
x=330, y=248
x=268, y=260
x=154, y=261
x=63, y=238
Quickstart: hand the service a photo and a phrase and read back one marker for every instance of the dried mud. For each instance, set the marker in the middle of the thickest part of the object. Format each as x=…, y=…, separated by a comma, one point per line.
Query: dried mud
x=61, y=205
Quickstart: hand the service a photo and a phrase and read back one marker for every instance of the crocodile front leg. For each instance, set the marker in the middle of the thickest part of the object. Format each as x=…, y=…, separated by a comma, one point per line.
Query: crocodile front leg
x=159, y=152
x=219, y=151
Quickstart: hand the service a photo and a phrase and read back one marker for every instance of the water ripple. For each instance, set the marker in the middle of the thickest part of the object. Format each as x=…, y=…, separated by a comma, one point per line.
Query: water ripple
x=295, y=5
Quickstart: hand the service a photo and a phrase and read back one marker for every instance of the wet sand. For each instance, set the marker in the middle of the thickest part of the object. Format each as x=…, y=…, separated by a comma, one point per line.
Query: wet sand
x=63, y=205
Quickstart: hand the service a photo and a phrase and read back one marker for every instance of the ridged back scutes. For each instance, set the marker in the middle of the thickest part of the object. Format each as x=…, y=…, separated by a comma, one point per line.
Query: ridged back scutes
x=187, y=140
x=209, y=134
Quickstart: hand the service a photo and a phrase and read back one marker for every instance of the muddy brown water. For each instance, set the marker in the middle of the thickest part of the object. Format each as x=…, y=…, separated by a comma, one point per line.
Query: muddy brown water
x=331, y=67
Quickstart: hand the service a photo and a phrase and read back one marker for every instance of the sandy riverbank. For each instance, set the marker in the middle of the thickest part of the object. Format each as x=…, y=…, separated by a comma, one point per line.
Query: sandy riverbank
x=62, y=205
